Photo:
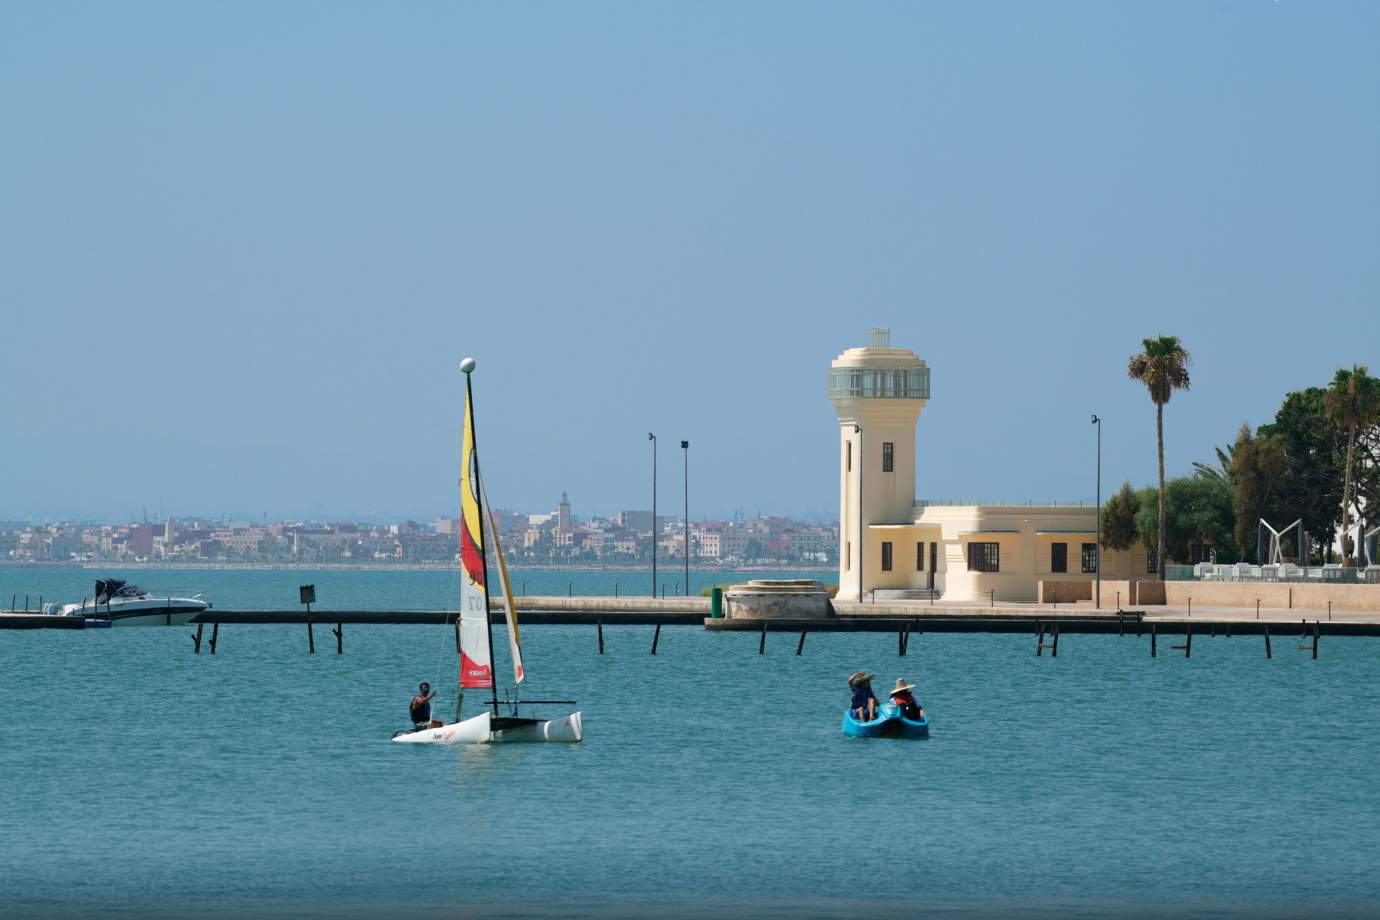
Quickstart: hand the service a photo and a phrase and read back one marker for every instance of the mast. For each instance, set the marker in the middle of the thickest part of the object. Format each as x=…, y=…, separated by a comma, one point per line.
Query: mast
x=483, y=547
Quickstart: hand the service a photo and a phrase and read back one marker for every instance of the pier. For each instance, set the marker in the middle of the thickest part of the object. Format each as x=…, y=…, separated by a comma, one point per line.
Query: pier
x=976, y=617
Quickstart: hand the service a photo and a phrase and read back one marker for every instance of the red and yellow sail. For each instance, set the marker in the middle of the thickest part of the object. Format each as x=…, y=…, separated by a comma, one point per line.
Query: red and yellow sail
x=476, y=667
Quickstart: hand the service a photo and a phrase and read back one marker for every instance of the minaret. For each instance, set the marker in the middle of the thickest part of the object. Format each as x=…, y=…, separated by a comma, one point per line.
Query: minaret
x=880, y=390
x=563, y=524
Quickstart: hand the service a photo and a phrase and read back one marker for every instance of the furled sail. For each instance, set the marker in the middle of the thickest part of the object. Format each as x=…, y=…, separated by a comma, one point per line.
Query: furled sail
x=514, y=638
x=476, y=667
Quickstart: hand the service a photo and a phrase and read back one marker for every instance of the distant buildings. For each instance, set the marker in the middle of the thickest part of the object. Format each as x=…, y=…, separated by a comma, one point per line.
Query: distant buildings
x=555, y=537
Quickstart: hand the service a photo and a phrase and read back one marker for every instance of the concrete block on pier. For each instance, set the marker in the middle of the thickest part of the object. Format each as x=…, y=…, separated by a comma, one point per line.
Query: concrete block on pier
x=765, y=599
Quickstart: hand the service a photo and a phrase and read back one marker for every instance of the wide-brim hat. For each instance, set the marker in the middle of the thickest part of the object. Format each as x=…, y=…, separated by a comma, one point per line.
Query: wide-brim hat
x=861, y=677
x=901, y=685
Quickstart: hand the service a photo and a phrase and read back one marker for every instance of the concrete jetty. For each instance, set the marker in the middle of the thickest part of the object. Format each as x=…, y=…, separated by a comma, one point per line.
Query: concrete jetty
x=16, y=619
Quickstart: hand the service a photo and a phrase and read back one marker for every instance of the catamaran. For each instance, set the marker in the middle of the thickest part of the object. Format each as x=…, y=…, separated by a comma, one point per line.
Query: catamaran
x=476, y=645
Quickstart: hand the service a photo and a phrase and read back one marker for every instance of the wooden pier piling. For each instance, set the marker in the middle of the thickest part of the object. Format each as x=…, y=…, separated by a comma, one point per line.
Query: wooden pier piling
x=196, y=637
x=762, y=646
x=311, y=640
x=1268, y=653
x=656, y=637
x=215, y=636
x=1187, y=647
x=800, y=646
x=599, y=624
x=339, y=633
x=1152, y=640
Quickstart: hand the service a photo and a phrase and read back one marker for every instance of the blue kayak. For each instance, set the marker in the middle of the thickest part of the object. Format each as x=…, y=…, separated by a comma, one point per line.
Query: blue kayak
x=888, y=724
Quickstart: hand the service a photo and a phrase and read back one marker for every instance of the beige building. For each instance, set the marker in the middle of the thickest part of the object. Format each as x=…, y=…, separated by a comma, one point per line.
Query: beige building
x=888, y=541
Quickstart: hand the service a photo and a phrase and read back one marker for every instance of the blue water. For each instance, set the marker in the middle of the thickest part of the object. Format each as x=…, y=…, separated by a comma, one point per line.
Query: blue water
x=140, y=778
x=352, y=589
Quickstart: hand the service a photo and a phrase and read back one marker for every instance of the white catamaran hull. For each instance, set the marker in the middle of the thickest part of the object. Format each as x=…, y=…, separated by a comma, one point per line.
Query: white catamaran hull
x=481, y=729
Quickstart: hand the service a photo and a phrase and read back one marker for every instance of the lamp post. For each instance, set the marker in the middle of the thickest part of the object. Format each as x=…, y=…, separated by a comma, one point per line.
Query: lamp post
x=685, y=446
x=1098, y=546
x=857, y=429
x=651, y=437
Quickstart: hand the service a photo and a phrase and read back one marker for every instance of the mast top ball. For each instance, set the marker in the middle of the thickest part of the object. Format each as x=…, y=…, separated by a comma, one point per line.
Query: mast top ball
x=467, y=365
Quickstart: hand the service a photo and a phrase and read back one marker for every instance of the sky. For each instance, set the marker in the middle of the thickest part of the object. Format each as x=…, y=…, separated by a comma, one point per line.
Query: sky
x=244, y=246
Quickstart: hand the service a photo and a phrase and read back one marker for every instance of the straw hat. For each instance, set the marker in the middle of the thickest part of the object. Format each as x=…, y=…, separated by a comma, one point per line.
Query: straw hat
x=902, y=685
x=861, y=677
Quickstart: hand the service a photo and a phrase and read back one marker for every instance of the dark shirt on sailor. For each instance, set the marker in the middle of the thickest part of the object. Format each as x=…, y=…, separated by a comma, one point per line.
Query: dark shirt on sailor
x=421, y=709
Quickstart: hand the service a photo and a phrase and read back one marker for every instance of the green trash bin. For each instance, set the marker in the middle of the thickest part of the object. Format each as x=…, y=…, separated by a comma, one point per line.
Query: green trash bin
x=716, y=603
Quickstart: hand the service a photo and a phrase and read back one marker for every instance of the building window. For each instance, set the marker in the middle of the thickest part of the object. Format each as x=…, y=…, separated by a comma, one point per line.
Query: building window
x=1151, y=557
x=1089, y=558
x=920, y=556
x=1058, y=557
x=849, y=446
x=886, y=555
x=888, y=461
x=984, y=557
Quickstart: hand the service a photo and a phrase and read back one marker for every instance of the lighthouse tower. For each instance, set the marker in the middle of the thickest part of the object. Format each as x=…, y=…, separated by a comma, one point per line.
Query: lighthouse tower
x=878, y=392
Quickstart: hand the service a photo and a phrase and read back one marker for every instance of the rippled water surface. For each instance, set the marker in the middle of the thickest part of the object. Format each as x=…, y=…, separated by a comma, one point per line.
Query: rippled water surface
x=139, y=777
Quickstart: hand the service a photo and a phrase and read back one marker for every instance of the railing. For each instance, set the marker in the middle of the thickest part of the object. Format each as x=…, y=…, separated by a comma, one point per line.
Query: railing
x=1280, y=574
x=1000, y=503
x=879, y=383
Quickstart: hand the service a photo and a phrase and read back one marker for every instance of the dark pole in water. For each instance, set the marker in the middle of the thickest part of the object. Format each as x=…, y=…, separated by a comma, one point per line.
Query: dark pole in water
x=339, y=638
x=801, y=644
x=1267, y=641
x=1152, y=640
x=215, y=636
x=311, y=640
x=656, y=637
x=600, y=625
x=762, y=646
x=1315, y=641
x=197, y=638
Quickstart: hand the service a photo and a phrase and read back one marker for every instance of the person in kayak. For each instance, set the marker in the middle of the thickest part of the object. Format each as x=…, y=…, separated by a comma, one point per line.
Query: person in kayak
x=421, y=705
x=864, y=704
x=902, y=697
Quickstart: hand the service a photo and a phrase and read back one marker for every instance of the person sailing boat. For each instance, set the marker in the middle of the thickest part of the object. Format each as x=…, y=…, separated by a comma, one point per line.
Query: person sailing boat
x=420, y=709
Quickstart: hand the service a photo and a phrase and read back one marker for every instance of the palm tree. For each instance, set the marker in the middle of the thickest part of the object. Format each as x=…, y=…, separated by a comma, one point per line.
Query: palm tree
x=1163, y=368
x=1352, y=402
x=1222, y=472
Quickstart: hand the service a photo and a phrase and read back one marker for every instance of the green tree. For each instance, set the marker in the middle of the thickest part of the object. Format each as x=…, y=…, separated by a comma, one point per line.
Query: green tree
x=1310, y=485
x=1199, y=517
x=1119, y=519
x=1352, y=402
x=1257, y=464
x=1222, y=469
x=1163, y=368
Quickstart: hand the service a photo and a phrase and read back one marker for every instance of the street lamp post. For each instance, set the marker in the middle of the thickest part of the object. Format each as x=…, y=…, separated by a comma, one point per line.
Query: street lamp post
x=685, y=446
x=1098, y=548
x=857, y=429
x=651, y=437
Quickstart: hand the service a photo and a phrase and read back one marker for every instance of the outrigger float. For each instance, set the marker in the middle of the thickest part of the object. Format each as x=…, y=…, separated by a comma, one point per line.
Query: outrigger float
x=888, y=724
x=476, y=652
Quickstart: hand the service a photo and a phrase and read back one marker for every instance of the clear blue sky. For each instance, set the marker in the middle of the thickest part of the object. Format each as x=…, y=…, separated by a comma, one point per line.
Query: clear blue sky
x=243, y=246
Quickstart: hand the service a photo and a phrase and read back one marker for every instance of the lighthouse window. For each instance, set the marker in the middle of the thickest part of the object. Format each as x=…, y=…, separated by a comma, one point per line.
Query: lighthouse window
x=984, y=557
x=888, y=462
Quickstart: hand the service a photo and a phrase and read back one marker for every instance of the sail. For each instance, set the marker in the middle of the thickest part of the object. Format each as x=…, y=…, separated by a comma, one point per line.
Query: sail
x=514, y=638
x=476, y=668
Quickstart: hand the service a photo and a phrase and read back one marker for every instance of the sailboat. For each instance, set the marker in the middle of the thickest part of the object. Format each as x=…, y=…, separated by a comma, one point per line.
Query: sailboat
x=476, y=645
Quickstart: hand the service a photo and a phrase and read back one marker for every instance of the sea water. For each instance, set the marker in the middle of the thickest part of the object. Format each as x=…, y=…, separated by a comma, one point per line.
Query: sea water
x=140, y=778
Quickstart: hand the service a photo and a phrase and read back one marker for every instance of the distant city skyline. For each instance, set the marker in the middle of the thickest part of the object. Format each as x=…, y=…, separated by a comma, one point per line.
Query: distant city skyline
x=248, y=244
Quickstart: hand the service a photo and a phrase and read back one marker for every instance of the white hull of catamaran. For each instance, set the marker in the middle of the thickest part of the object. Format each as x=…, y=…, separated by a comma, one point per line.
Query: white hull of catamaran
x=566, y=729
x=474, y=730
x=480, y=730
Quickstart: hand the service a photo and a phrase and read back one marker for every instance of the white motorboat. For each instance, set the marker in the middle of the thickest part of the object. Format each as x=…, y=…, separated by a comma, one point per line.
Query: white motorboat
x=118, y=603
